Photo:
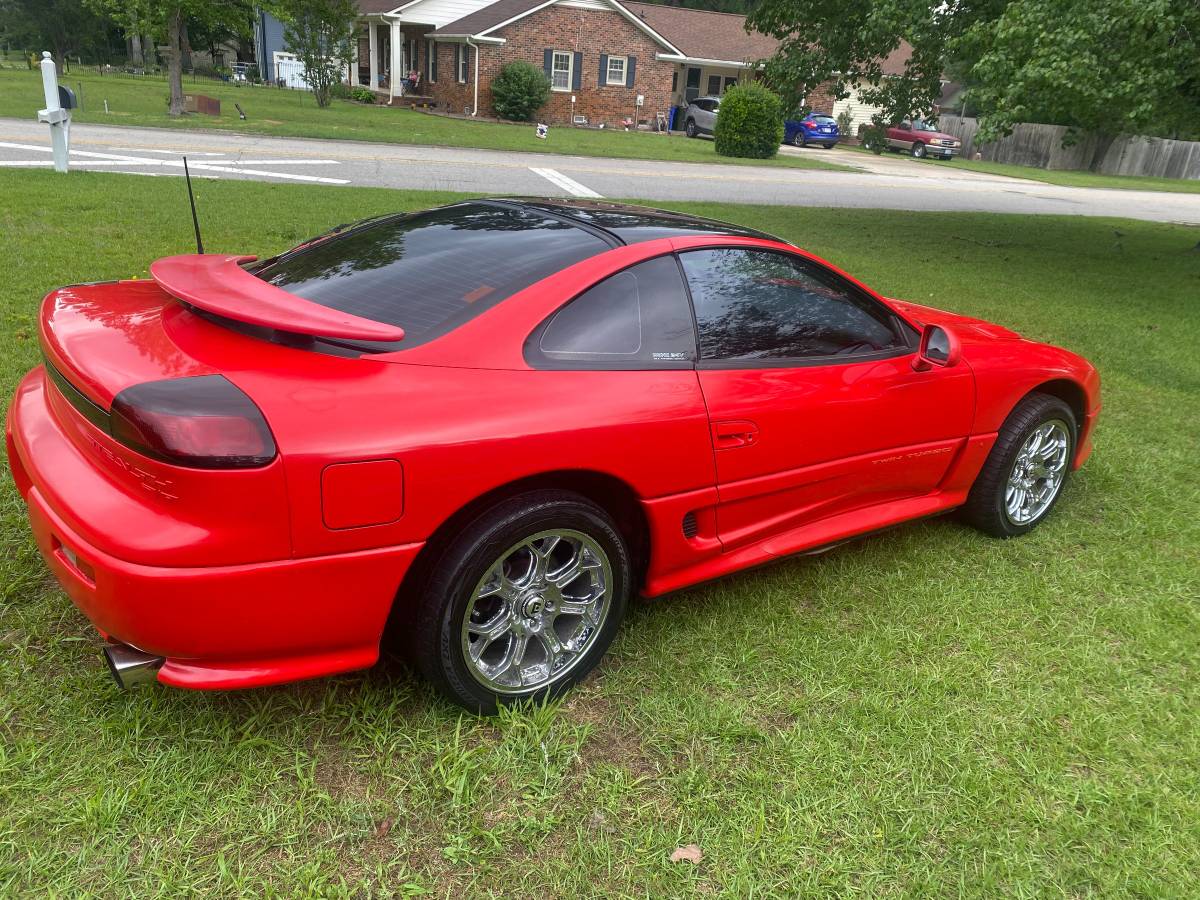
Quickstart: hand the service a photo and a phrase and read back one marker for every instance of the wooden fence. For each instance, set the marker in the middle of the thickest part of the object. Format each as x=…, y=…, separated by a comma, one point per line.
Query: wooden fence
x=1041, y=146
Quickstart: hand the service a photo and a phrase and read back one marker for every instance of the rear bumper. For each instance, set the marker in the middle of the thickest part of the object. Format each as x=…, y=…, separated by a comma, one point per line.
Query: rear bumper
x=218, y=626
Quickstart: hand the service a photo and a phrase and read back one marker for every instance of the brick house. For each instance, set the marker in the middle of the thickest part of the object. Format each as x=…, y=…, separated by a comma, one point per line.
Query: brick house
x=607, y=60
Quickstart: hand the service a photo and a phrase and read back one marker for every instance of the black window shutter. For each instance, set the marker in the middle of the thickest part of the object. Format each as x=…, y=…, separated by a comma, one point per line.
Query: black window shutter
x=433, y=55
x=548, y=63
x=630, y=68
x=577, y=75
x=457, y=61
x=603, y=70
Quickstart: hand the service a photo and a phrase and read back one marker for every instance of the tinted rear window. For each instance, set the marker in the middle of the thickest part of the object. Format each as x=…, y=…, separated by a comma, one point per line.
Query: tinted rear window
x=823, y=120
x=429, y=272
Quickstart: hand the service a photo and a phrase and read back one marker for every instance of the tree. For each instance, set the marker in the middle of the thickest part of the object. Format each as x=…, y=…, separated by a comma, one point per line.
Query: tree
x=61, y=26
x=846, y=43
x=1108, y=66
x=1104, y=65
x=321, y=34
x=520, y=90
x=168, y=19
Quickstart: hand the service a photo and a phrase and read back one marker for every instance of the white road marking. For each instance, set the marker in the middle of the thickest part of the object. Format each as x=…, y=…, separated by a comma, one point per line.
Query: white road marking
x=569, y=185
x=277, y=162
x=177, y=164
x=165, y=152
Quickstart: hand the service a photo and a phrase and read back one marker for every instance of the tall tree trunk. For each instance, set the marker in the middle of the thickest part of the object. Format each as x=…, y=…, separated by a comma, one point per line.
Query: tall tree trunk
x=185, y=46
x=175, y=60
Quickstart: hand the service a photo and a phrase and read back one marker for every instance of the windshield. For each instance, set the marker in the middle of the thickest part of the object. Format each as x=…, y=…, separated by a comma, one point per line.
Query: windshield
x=923, y=126
x=429, y=272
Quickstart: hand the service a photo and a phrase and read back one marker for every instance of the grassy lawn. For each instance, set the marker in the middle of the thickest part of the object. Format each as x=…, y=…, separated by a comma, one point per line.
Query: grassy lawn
x=1069, y=178
x=928, y=712
x=142, y=101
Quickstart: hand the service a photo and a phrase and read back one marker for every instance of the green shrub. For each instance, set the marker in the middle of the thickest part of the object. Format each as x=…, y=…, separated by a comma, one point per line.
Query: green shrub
x=339, y=90
x=750, y=123
x=362, y=95
x=873, y=137
x=520, y=90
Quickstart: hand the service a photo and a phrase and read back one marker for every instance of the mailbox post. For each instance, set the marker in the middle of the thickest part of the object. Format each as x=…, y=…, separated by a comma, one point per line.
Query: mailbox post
x=57, y=114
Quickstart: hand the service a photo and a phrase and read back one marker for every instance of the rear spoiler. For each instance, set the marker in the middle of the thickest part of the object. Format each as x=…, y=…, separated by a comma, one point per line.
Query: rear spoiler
x=218, y=284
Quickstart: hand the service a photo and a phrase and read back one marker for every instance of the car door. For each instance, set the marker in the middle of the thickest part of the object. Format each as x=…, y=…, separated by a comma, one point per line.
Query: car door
x=900, y=136
x=815, y=406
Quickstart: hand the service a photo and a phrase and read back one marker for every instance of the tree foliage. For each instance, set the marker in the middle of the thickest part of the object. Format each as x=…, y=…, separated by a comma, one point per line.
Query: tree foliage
x=1109, y=66
x=321, y=34
x=61, y=26
x=749, y=123
x=519, y=90
x=1106, y=65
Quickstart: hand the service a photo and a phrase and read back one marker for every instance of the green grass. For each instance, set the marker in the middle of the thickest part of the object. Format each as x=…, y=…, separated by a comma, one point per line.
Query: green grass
x=1069, y=178
x=142, y=101
x=927, y=712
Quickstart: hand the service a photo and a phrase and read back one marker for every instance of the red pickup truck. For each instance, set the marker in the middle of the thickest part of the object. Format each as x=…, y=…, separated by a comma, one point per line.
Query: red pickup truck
x=921, y=139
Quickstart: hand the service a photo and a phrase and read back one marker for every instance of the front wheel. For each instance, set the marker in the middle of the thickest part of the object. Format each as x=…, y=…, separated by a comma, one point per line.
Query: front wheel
x=918, y=150
x=524, y=603
x=1024, y=474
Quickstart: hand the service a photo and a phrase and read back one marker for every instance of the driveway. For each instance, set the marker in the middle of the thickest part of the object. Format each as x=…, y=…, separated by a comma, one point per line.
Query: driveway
x=888, y=183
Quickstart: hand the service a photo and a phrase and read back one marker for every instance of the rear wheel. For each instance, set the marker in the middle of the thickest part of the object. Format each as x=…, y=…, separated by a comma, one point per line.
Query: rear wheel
x=829, y=146
x=524, y=603
x=1025, y=472
x=690, y=128
x=799, y=139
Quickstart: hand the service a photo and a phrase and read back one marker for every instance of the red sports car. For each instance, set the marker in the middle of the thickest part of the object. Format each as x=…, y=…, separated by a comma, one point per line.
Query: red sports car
x=488, y=425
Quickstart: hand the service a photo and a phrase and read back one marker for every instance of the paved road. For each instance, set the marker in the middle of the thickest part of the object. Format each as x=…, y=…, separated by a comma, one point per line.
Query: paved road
x=885, y=182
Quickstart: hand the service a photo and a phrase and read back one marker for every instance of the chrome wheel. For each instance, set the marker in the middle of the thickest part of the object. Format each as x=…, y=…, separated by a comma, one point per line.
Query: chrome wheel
x=536, y=611
x=1037, y=472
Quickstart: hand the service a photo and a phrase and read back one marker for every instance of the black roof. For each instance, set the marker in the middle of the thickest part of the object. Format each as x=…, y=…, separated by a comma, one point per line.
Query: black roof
x=630, y=224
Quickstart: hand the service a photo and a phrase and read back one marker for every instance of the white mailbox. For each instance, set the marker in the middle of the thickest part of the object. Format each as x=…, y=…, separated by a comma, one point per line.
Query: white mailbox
x=57, y=113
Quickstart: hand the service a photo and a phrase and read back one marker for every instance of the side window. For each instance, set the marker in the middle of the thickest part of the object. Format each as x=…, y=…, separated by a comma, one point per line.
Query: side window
x=758, y=305
x=635, y=319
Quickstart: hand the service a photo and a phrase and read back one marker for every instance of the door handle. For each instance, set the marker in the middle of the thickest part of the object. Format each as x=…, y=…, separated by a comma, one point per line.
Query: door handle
x=734, y=434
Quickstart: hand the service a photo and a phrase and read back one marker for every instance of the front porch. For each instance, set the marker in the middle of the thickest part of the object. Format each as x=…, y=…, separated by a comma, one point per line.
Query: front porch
x=387, y=52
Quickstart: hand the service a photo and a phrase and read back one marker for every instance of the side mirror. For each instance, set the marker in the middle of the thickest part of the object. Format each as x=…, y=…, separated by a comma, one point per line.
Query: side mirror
x=939, y=347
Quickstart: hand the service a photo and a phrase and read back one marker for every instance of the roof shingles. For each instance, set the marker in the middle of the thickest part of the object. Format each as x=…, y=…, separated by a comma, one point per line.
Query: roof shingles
x=702, y=34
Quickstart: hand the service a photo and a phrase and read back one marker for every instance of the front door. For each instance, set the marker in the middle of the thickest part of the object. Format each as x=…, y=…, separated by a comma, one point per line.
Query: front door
x=814, y=404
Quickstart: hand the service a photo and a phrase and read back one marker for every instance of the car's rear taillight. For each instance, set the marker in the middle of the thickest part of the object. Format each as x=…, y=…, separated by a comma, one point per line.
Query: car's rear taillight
x=204, y=422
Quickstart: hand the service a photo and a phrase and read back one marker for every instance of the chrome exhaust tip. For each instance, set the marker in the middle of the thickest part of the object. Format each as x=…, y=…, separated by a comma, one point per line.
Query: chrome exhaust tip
x=130, y=666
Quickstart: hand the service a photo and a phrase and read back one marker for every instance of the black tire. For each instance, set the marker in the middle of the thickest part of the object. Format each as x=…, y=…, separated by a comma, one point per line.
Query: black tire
x=985, y=506
x=437, y=642
x=918, y=150
x=690, y=128
x=799, y=140
x=829, y=146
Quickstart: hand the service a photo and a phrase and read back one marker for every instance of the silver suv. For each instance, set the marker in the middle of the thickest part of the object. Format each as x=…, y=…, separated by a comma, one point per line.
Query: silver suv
x=701, y=116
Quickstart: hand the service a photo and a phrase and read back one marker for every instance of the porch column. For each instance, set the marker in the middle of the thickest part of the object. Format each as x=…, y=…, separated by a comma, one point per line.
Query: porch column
x=373, y=40
x=397, y=47
x=352, y=69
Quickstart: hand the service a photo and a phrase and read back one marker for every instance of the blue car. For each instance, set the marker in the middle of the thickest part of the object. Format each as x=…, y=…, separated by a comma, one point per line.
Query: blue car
x=813, y=128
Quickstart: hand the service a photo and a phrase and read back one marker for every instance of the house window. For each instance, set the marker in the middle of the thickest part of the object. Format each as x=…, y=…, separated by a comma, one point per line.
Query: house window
x=714, y=85
x=464, y=63
x=616, y=70
x=561, y=70
x=729, y=82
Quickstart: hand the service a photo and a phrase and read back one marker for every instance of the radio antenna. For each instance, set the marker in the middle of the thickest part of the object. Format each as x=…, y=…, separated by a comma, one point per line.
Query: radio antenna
x=192, y=200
